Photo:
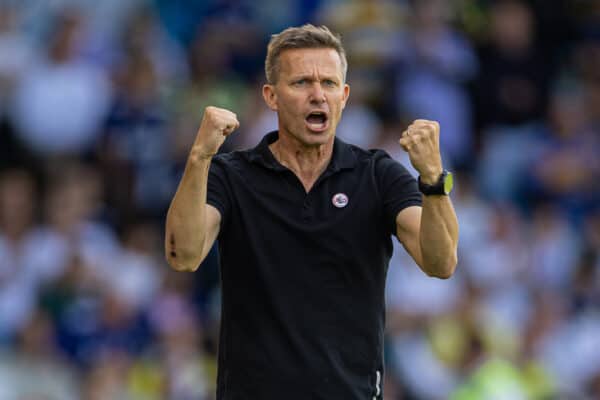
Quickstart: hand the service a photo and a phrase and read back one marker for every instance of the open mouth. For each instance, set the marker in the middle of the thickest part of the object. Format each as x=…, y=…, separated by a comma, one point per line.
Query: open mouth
x=317, y=121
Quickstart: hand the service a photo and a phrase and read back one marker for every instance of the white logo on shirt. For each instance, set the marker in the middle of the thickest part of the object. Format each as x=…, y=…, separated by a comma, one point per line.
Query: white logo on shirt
x=340, y=200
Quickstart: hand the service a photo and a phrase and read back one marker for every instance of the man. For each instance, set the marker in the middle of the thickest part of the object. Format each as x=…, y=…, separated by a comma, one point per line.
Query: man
x=304, y=224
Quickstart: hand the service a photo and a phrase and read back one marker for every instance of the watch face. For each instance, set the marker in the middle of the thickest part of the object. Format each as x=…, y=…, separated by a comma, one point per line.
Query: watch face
x=448, y=183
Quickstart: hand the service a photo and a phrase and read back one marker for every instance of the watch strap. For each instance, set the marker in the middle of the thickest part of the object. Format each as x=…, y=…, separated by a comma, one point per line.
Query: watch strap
x=438, y=188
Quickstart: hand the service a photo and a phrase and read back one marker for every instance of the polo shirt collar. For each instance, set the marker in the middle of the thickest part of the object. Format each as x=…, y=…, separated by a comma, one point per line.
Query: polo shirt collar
x=343, y=156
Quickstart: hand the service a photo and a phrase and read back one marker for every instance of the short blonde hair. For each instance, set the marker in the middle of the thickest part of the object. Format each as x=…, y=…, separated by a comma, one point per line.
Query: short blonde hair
x=303, y=37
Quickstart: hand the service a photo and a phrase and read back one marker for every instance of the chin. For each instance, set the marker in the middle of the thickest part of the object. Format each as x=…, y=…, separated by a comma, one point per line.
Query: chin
x=311, y=138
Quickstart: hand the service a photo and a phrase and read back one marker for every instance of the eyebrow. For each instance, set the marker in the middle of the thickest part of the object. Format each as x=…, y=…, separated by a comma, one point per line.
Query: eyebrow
x=310, y=77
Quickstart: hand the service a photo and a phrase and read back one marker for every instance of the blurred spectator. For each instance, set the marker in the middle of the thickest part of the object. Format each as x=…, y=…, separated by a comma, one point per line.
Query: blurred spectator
x=411, y=293
x=500, y=237
x=72, y=225
x=18, y=278
x=361, y=125
x=369, y=30
x=567, y=165
x=107, y=378
x=435, y=62
x=142, y=34
x=140, y=275
x=571, y=352
x=17, y=53
x=555, y=250
x=258, y=119
x=513, y=83
x=135, y=147
x=61, y=100
x=35, y=369
x=502, y=172
x=497, y=378
x=191, y=374
x=213, y=80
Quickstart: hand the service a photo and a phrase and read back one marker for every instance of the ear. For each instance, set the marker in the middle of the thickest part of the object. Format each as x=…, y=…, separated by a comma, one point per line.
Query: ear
x=270, y=97
x=346, y=95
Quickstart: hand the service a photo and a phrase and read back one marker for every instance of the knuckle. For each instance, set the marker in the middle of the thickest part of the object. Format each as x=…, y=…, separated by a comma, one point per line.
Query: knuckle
x=212, y=117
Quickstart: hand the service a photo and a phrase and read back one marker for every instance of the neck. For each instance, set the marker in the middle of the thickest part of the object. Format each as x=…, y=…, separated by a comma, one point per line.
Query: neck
x=307, y=162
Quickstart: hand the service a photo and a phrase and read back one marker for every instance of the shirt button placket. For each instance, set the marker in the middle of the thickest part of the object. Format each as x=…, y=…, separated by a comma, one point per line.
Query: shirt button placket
x=306, y=210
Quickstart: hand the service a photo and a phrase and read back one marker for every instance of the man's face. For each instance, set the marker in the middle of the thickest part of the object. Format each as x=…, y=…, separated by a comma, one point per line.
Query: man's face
x=309, y=95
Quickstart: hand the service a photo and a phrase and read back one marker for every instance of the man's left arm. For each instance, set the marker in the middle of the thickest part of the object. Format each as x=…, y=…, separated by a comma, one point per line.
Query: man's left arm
x=429, y=233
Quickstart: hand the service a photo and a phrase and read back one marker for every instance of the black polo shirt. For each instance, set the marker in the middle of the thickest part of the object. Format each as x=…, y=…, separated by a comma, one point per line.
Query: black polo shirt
x=303, y=274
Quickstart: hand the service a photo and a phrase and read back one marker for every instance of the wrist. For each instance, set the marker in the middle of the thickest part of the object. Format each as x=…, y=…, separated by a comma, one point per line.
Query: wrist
x=431, y=176
x=442, y=185
x=198, y=154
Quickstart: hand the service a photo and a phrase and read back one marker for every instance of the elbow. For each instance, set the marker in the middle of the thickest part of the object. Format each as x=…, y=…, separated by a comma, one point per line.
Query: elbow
x=180, y=264
x=181, y=258
x=443, y=270
x=443, y=274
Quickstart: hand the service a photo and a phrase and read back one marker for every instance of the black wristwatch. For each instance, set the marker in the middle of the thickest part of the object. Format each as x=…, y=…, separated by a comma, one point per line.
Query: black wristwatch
x=443, y=186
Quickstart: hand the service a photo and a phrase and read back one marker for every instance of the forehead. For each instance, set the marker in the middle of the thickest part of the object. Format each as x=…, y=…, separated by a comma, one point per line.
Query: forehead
x=308, y=61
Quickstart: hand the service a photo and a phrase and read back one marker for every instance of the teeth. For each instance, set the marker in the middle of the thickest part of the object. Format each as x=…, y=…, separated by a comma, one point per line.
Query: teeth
x=316, y=125
x=317, y=120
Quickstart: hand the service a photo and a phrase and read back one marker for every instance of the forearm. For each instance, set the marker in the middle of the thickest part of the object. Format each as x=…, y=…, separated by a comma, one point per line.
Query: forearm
x=438, y=236
x=186, y=219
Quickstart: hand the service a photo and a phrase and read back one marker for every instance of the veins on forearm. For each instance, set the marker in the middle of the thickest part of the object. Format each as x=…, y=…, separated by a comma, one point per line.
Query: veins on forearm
x=439, y=238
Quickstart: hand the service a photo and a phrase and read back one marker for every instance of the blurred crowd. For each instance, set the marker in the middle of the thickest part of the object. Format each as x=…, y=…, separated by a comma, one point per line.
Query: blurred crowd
x=100, y=102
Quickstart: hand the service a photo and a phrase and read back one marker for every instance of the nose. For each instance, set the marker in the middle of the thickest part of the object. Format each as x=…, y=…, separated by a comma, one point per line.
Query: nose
x=317, y=95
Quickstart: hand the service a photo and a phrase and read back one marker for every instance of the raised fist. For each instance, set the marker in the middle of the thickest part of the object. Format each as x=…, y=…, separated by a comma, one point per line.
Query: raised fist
x=421, y=140
x=216, y=124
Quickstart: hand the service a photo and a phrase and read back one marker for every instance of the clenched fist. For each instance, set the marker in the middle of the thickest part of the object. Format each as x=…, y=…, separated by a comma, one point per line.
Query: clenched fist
x=216, y=124
x=421, y=140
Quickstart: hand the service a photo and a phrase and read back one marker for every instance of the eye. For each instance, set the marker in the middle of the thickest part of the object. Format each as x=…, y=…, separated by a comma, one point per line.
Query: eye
x=329, y=83
x=300, y=82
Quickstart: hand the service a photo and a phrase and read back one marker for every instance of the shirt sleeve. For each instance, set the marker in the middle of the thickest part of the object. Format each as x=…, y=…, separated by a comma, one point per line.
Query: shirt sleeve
x=397, y=187
x=218, y=193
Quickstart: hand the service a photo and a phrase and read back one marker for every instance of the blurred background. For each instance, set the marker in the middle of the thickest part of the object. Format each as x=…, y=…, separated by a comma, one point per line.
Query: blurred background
x=100, y=102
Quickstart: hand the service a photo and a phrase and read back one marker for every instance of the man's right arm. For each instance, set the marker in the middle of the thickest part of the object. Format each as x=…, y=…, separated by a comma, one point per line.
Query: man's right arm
x=192, y=225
